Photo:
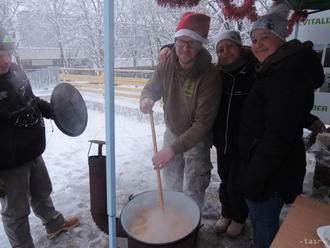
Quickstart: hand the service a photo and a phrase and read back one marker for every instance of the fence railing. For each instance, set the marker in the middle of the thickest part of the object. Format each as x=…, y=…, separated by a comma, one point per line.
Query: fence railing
x=43, y=79
x=128, y=83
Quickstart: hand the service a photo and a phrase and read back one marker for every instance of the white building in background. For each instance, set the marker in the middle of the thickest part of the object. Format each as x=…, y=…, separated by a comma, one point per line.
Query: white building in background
x=40, y=57
x=36, y=57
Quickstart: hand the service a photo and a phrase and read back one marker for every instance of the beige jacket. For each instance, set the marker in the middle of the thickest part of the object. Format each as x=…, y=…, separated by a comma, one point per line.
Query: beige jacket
x=191, y=98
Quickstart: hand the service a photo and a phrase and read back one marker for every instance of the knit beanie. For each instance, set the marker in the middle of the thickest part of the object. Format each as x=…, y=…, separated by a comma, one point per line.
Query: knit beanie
x=275, y=21
x=6, y=40
x=228, y=35
x=194, y=25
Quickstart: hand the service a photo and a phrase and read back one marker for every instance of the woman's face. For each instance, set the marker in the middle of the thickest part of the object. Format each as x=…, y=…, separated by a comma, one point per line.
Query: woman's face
x=264, y=44
x=227, y=51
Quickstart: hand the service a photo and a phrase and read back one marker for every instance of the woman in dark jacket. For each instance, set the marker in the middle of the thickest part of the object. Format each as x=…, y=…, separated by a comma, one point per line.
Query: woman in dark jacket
x=272, y=121
x=236, y=65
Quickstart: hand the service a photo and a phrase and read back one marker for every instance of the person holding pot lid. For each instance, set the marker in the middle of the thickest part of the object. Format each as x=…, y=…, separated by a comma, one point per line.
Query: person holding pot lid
x=24, y=179
x=273, y=116
x=191, y=90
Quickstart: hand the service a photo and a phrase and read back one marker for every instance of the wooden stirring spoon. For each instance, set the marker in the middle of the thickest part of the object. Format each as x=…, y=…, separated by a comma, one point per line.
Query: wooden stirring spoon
x=160, y=191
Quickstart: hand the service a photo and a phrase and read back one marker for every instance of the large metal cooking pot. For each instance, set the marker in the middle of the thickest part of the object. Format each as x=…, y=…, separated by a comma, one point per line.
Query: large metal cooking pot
x=150, y=199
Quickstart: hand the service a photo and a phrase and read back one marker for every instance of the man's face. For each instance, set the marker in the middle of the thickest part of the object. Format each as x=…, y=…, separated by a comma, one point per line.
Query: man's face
x=5, y=61
x=187, y=49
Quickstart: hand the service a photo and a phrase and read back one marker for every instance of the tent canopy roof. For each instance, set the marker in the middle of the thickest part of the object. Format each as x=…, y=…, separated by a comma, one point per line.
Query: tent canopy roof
x=296, y=5
x=308, y=4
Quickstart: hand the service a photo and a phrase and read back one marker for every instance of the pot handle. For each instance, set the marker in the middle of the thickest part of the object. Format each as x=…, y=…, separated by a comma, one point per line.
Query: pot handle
x=100, y=143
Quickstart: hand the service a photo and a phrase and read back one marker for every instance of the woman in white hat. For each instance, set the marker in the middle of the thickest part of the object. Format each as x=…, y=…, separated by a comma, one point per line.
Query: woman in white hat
x=272, y=121
x=236, y=65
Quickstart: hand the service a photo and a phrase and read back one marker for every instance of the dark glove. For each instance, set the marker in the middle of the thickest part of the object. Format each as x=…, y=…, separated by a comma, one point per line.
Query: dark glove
x=44, y=108
x=2, y=188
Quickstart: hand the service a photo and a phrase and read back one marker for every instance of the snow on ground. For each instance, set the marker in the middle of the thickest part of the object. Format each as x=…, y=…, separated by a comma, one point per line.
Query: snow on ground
x=67, y=162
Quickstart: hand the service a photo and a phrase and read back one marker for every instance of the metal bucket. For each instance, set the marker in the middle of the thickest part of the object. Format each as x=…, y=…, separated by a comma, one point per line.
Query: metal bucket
x=150, y=199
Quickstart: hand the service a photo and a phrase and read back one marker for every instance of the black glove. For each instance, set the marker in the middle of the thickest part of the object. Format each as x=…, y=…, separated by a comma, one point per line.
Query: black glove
x=2, y=188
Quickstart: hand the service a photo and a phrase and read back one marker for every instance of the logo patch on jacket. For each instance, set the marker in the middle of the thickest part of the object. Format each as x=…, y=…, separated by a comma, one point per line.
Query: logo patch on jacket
x=188, y=88
x=3, y=95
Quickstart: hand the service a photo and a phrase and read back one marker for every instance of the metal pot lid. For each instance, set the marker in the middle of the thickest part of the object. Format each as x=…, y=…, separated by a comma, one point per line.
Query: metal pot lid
x=69, y=109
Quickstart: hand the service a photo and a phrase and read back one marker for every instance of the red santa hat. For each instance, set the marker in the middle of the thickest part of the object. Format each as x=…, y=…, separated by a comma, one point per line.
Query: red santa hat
x=194, y=25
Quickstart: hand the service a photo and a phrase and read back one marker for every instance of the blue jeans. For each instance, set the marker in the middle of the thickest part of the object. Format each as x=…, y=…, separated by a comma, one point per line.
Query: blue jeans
x=265, y=219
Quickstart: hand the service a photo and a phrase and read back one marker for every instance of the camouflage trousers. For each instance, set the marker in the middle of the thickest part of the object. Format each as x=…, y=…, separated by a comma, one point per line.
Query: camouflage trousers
x=190, y=171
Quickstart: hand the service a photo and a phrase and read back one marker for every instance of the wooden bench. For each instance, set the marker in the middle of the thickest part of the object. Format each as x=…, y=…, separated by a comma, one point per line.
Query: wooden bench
x=124, y=86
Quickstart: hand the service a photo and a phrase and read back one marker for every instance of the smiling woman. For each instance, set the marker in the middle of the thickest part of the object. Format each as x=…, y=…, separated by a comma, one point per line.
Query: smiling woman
x=270, y=132
x=264, y=44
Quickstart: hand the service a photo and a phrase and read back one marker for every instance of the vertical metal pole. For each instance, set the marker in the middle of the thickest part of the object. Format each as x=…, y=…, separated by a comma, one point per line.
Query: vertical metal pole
x=110, y=117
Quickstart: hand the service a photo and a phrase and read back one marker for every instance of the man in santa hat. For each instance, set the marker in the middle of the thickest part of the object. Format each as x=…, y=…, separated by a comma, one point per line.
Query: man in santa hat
x=191, y=90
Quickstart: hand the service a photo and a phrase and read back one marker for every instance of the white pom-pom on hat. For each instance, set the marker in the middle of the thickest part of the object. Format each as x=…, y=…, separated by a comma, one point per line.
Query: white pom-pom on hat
x=281, y=10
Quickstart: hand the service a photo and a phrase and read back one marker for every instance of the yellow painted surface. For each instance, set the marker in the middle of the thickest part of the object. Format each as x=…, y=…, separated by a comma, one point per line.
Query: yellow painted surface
x=95, y=84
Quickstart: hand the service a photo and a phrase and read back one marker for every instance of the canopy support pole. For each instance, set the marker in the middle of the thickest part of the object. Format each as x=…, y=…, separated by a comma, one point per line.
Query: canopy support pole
x=110, y=118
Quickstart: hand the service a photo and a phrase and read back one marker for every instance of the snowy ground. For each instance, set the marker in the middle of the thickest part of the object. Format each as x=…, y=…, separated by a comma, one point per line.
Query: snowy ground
x=67, y=162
